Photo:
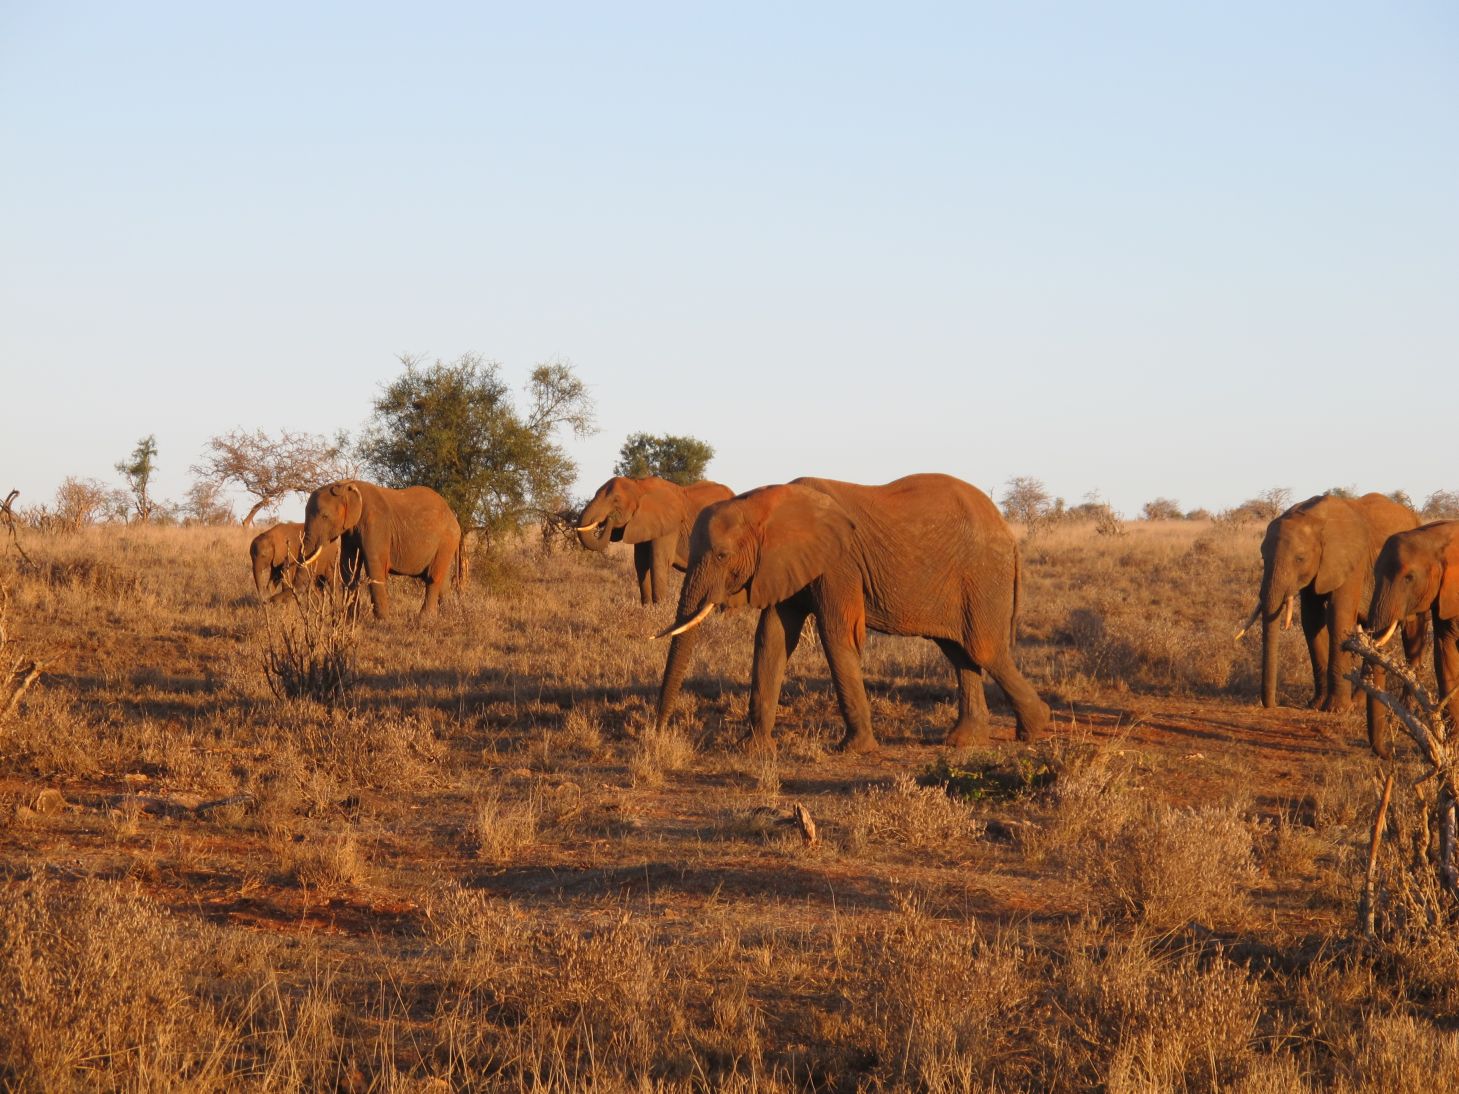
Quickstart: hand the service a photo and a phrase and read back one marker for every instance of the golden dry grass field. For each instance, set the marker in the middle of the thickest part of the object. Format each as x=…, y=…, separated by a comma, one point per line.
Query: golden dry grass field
x=483, y=869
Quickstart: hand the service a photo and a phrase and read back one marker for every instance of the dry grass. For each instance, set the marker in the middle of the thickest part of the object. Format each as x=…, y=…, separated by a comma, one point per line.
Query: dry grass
x=478, y=866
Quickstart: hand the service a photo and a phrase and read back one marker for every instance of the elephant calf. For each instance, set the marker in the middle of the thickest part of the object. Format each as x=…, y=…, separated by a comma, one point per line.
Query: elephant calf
x=654, y=515
x=927, y=555
x=276, y=555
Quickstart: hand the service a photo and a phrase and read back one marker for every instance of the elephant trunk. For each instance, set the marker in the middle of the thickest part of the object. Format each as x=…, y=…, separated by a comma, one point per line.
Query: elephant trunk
x=1269, y=662
x=697, y=600
x=1273, y=599
x=681, y=649
x=1384, y=612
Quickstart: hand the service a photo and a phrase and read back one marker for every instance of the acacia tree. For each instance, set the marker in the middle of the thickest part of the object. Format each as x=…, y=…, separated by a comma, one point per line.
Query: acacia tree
x=1442, y=505
x=457, y=428
x=679, y=459
x=138, y=472
x=268, y=468
x=1026, y=500
x=1161, y=509
x=80, y=502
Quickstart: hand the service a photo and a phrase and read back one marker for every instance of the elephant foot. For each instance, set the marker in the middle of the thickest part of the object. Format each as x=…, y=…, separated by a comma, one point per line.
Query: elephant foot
x=758, y=744
x=1378, y=740
x=857, y=742
x=1329, y=705
x=1034, y=725
x=1318, y=698
x=966, y=734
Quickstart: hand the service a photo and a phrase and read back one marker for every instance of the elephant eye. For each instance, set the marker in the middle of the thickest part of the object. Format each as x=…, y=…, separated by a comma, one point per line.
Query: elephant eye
x=721, y=554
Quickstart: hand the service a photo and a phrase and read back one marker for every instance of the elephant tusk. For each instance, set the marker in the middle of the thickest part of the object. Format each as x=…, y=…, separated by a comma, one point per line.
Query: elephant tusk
x=1255, y=614
x=1388, y=634
x=310, y=560
x=1287, y=619
x=591, y=527
x=670, y=632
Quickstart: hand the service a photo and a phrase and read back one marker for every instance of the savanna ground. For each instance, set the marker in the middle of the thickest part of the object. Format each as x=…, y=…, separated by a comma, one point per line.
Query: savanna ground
x=483, y=868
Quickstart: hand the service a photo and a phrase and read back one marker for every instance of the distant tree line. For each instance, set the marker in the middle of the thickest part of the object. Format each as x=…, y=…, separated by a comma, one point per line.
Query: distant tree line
x=458, y=427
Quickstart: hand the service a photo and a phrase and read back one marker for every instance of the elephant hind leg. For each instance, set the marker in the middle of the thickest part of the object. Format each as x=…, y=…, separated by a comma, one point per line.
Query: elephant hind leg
x=972, y=705
x=1029, y=711
x=436, y=576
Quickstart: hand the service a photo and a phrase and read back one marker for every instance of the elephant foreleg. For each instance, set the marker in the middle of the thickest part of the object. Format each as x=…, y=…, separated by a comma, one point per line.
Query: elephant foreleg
x=1446, y=662
x=377, y=577
x=1342, y=617
x=662, y=559
x=972, y=704
x=775, y=640
x=842, y=634
x=1314, y=629
x=643, y=568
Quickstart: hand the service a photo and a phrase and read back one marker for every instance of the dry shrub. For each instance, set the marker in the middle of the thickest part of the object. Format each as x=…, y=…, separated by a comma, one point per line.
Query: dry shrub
x=310, y=653
x=912, y=817
x=474, y=926
x=333, y=860
x=554, y=1009
x=378, y=749
x=499, y=827
x=657, y=753
x=582, y=729
x=95, y=989
x=1163, y=864
x=1142, y=1020
x=951, y=1010
x=1399, y=1054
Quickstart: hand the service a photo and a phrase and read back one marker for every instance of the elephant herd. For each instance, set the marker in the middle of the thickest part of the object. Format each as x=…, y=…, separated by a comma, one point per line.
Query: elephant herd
x=927, y=556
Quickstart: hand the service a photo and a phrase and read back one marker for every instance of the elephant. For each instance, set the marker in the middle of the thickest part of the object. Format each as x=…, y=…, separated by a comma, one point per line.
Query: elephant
x=382, y=532
x=1417, y=572
x=926, y=555
x=653, y=514
x=1322, y=551
x=275, y=555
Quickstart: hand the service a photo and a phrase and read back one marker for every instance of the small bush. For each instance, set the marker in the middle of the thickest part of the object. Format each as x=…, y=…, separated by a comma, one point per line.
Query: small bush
x=311, y=652
x=500, y=828
x=912, y=817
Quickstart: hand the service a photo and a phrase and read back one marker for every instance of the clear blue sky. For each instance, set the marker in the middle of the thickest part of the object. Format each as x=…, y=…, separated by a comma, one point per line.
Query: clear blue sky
x=1140, y=248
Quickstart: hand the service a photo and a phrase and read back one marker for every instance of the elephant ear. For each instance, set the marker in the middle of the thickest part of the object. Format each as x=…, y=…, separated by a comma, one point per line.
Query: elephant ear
x=1346, y=547
x=1449, y=577
x=802, y=535
x=659, y=512
x=354, y=505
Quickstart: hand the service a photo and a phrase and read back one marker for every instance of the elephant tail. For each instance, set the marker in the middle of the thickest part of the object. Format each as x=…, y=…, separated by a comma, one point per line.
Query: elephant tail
x=1017, y=596
x=458, y=577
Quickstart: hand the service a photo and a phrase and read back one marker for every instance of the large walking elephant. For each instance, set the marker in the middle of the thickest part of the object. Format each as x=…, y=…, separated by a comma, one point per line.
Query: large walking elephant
x=382, y=532
x=1321, y=553
x=1417, y=572
x=654, y=515
x=926, y=555
x=276, y=555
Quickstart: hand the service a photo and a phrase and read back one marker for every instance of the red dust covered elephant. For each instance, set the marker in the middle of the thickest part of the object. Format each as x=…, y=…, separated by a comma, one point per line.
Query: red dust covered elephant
x=926, y=555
